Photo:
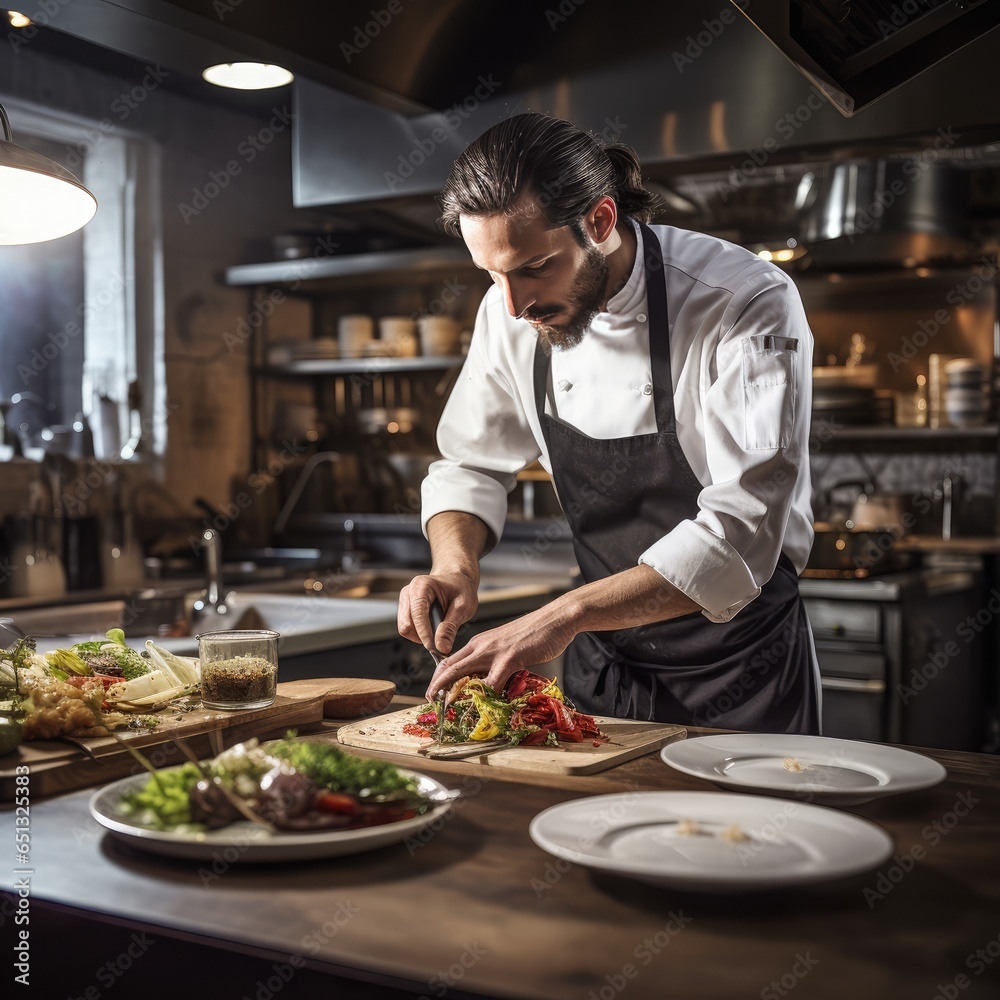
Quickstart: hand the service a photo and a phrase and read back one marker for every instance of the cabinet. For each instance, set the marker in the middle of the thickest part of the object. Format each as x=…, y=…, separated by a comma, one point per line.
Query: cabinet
x=379, y=413
x=899, y=660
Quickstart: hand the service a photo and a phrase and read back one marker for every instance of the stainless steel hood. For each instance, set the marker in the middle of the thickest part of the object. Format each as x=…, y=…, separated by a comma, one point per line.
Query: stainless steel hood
x=388, y=94
x=857, y=52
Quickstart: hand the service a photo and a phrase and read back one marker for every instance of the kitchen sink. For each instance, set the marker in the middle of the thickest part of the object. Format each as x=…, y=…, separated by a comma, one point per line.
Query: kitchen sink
x=307, y=623
x=382, y=582
x=70, y=619
x=313, y=612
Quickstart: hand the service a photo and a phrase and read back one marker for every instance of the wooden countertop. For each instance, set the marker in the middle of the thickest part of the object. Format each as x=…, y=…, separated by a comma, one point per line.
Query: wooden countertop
x=979, y=545
x=478, y=897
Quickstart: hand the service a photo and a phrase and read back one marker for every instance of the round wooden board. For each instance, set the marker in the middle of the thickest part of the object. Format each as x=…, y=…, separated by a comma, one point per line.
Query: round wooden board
x=343, y=697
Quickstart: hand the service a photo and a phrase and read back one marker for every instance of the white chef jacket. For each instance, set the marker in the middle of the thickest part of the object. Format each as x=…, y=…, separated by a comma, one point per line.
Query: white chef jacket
x=741, y=361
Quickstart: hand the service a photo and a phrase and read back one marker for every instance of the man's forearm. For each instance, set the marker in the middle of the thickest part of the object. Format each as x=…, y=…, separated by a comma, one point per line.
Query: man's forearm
x=637, y=596
x=457, y=541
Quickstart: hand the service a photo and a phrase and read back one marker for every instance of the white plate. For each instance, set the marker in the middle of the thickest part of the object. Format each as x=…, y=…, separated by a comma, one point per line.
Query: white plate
x=250, y=842
x=839, y=772
x=636, y=834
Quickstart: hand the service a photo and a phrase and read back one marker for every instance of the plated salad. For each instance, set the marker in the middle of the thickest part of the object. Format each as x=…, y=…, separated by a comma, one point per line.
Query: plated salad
x=288, y=784
x=90, y=688
x=531, y=711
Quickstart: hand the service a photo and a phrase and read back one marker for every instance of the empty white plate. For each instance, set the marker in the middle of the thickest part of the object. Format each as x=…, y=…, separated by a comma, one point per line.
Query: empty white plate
x=710, y=841
x=810, y=768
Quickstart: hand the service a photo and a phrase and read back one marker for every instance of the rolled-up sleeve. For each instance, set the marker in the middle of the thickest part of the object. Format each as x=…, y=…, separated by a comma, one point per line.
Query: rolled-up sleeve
x=756, y=402
x=484, y=436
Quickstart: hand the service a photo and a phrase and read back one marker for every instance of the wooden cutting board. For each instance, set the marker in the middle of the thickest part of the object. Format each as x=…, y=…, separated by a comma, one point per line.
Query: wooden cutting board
x=62, y=765
x=628, y=739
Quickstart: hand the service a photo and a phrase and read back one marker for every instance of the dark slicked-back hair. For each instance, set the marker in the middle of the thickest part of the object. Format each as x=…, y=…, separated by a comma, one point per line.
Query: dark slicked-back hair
x=532, y=162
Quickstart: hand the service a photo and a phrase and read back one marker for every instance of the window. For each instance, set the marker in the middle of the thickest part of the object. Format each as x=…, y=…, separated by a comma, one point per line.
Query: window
x=70, y=309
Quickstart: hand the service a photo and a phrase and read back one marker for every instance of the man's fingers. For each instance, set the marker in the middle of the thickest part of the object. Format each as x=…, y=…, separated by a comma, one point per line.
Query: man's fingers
x=404, y=621
x=450, y=670
x=444, y=638
x=420, y=607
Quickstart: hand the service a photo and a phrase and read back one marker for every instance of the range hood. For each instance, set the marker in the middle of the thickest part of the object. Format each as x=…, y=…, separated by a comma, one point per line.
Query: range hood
x=856, y=52
x=725, y=125
x=859, y=213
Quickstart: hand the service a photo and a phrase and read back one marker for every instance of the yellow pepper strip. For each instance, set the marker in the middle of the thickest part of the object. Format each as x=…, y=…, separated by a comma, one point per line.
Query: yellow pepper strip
x=485, y=730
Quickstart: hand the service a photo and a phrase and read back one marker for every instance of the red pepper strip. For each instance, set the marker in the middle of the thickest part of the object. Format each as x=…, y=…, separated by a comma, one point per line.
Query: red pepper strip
x=522, y=681
x=336, y=802
x=449, y=715
x=567, y=727
x=106, y=679
x=412, y=729
x=537, y=737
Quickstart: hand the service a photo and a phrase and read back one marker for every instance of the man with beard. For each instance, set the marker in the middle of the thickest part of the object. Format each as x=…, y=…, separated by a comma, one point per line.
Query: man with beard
x=663, y=378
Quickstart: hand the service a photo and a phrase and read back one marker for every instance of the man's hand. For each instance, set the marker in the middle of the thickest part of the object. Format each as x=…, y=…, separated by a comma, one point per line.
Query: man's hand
x=526, y=642
x=635, y=596
x=457, y=540
x=456, y=593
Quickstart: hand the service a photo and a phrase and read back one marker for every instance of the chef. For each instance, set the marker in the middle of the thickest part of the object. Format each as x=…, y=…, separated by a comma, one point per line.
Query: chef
x=662, y=377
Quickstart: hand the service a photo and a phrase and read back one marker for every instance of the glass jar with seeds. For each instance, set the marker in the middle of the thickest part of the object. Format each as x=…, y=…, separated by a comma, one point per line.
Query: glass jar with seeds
x=239, y=669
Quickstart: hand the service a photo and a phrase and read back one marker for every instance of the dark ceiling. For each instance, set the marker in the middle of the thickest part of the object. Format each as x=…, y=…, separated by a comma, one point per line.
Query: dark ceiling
x=419, y=58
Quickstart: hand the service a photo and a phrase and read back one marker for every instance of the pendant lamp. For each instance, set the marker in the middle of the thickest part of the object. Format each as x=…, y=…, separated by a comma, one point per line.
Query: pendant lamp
x=39, y=199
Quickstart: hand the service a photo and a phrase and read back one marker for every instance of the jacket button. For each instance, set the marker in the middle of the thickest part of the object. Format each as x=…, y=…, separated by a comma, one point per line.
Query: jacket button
x=641, y=318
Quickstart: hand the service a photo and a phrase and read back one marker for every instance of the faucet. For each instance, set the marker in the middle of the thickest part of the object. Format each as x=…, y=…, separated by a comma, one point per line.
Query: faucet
x=211, y=543
x=300, y=484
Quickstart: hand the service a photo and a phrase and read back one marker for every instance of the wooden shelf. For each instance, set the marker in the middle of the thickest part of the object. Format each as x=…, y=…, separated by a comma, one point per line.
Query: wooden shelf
x=914, y=433
x=908, y=439
x=359, y=366
x=308, y=269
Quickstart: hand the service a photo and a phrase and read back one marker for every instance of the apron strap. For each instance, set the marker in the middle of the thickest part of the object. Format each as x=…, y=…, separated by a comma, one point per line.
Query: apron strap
x=659, y=344
x=659, y=331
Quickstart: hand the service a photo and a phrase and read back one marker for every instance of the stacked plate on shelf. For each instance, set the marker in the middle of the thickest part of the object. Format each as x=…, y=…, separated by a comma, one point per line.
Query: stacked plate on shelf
x=847, y=395
x=285, y=351
x=966, y=393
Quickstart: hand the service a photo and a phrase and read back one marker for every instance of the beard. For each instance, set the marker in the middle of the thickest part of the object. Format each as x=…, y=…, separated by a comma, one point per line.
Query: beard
x=585, y=297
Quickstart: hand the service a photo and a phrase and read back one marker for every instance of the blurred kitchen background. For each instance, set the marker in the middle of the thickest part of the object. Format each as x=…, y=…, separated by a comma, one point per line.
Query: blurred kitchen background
x=231, y=377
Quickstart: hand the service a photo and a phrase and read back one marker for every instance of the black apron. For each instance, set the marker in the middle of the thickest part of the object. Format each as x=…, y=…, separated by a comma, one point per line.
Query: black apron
x=754, y=672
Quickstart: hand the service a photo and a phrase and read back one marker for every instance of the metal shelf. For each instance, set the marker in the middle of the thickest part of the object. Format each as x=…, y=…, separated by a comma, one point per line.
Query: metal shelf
x=306, y=269
x=359, y=366
x=912, y=433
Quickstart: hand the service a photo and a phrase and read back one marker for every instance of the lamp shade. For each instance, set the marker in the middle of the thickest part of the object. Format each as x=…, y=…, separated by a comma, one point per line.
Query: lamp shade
x=39, y=199
x=248, y=75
